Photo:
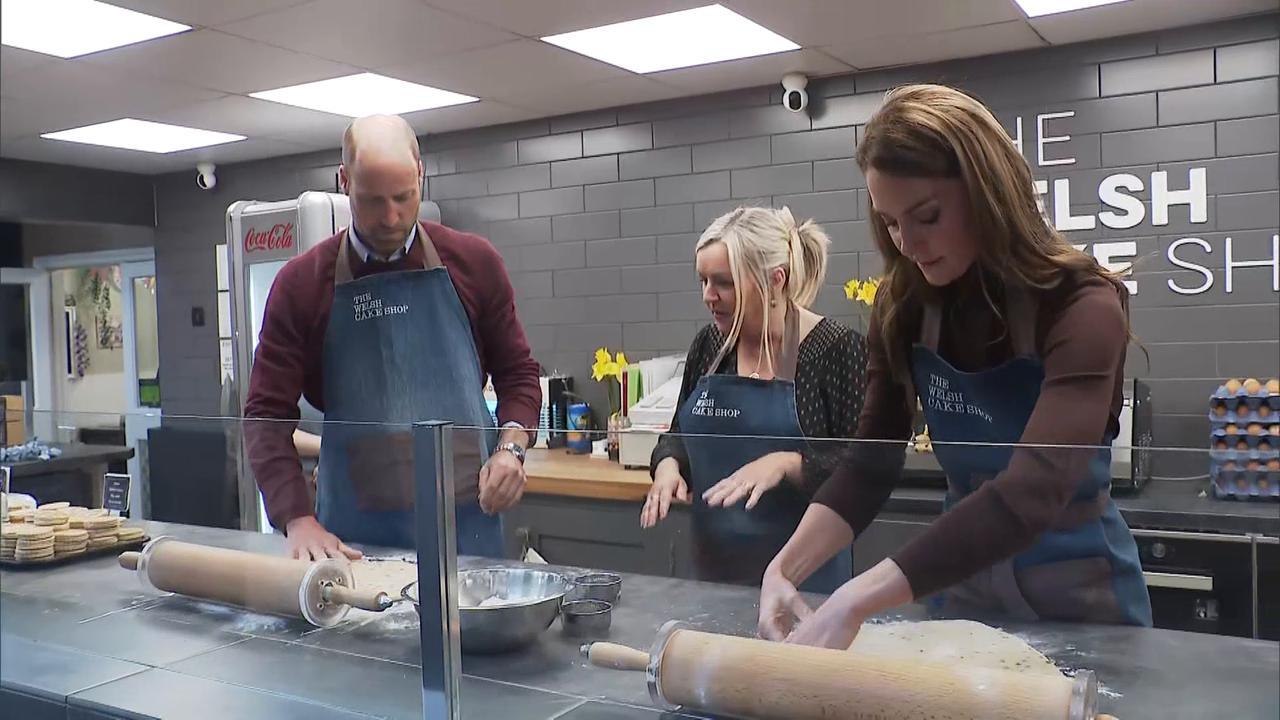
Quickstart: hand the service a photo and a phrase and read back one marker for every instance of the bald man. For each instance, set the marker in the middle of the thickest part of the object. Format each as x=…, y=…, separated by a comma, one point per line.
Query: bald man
x=389, y=322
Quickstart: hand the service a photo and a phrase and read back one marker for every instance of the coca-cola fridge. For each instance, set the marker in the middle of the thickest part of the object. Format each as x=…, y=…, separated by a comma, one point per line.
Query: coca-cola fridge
x=261, y=238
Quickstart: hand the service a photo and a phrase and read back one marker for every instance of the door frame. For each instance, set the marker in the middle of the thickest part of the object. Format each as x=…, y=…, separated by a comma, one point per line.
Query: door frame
x=40, y=354
x=138, y=419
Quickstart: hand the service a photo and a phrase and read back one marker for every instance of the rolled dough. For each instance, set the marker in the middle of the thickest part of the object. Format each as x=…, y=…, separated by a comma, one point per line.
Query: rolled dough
x=952, y=641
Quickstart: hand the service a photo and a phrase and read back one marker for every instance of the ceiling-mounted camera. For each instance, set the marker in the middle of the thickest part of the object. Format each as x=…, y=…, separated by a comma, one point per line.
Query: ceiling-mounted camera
x=794, y=98
x=204, y=175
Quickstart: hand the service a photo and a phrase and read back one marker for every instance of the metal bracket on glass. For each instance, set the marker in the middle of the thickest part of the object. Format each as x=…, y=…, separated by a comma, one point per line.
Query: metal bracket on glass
x=434, y=522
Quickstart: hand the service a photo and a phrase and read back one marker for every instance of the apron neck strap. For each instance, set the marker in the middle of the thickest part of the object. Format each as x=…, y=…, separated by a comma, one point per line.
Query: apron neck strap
x=342, y=270
x=785, y=365
x=1020, y=308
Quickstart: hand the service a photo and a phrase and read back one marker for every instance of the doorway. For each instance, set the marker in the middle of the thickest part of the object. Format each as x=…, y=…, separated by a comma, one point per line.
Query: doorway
x=101, y=361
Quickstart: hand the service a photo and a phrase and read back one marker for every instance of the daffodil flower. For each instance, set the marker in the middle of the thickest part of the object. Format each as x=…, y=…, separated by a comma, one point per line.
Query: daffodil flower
x=851, y=289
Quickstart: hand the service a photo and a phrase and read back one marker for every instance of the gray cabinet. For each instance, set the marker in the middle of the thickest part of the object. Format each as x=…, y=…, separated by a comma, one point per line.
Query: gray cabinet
x=602, y=534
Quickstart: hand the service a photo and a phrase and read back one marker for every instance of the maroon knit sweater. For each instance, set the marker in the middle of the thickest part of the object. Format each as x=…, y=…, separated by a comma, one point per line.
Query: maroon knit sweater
x=289, y=359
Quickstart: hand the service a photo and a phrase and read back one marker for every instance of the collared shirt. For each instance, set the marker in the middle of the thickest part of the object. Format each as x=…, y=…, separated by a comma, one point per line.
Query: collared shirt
x=365, y=252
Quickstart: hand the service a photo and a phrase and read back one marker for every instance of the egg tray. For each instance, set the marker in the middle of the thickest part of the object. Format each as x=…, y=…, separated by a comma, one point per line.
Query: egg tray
x=1240, y=457
x=1253, y=402
x=86, y=555
x=1253, y=441
x=1261, y=485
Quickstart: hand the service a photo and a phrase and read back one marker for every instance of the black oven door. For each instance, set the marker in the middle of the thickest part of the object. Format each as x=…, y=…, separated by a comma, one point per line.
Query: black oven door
x=1199, y=582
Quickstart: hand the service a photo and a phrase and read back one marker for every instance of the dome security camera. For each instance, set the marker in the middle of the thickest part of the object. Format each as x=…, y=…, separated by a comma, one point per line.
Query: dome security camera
x=794, y=98
x=205, y=177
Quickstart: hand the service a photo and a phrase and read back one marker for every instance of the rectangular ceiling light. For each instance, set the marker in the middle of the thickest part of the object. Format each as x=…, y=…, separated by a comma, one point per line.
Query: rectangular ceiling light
x=675, y=40
x=1037, y=8
x=364, y=94
x=70, y=28
x=144, y=135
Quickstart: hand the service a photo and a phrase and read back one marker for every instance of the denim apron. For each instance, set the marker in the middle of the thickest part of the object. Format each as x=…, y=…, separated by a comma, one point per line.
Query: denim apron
x=731, y=421
x=398, y=350
x=1085, y=567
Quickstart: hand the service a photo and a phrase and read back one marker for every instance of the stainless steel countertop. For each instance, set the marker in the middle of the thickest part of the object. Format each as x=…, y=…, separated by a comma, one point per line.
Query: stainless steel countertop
x=92, y=637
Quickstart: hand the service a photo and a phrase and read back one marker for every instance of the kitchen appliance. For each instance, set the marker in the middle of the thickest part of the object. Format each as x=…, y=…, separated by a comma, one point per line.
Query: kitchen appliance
x=1131, y=450
x=261, y=238
x=1204, y=582
x=747, y=677
x=559, y=390
x=651, y=415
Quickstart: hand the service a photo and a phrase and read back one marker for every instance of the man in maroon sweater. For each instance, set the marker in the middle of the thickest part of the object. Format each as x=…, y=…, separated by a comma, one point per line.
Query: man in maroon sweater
x=389, y=322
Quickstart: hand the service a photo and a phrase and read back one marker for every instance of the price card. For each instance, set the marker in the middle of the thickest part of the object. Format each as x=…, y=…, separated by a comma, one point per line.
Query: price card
x=115, y=492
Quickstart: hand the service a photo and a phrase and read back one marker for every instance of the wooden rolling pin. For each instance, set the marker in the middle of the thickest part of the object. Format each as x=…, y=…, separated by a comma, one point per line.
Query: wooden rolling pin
x=318, y=592
x=751, y=678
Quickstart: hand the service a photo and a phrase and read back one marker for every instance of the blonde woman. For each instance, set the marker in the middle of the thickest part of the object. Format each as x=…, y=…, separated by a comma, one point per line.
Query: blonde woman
x=1014, y=342
x=763, y=376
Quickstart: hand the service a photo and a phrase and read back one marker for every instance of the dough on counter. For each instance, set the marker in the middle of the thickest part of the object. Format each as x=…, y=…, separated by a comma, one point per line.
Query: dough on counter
x=952, y=641
x=389, y=575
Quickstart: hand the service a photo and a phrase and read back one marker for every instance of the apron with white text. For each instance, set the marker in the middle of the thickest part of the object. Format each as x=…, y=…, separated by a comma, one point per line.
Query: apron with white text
x=399, y=350
x=1085, y=567
x=731, y=421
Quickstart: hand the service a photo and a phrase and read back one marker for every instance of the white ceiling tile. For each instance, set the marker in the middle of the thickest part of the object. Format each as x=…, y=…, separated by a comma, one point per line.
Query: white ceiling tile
x=539, y=18
x=368, y=34
x=1140, y=16
x=255, y=118
x=748, y=72
x=889, y=50
x=216, y=60
x=561, y=99
x=205, y=12
x=15, y=61
x=813, y=23
x=472, y=115
x=494, y=71
x=35, y=148
x=66, y=93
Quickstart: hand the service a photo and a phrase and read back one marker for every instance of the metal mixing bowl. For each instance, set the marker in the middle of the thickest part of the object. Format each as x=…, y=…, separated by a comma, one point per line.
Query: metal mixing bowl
x=519, y=604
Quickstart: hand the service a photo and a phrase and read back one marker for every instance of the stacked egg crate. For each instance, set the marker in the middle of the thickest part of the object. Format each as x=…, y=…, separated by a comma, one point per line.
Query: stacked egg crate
x=1245, y=445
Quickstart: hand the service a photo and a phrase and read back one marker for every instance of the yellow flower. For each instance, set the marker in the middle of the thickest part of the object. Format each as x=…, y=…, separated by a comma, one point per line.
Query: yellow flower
x=600, y=367
x=606, y=365
x=867, y=293
x=851, y=289
x=621, y=365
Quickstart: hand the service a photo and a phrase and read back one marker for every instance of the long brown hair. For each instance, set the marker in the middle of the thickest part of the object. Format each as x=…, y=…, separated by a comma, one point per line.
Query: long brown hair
x=934, y=131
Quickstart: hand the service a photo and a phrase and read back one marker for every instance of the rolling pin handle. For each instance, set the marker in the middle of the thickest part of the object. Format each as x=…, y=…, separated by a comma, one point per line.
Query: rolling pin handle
x=617, y=657
x=372, y=600
x=129, y=560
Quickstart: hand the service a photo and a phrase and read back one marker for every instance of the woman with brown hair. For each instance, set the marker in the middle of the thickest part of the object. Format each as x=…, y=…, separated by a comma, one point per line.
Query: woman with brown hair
x=1014, y=343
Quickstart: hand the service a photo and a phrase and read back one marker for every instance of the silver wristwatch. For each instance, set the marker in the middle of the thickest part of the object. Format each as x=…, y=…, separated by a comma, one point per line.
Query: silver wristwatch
x=513, y=448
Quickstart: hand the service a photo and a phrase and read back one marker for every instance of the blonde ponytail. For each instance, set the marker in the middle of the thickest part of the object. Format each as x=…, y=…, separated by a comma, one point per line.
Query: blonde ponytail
x=808, y=259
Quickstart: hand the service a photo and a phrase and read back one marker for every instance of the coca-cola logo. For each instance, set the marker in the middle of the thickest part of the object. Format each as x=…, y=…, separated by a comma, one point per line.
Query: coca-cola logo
x=279, y=237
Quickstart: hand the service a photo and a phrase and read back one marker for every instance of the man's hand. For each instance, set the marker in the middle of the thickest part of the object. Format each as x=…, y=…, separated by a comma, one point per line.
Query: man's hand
x=502, y=482
x=308, y=540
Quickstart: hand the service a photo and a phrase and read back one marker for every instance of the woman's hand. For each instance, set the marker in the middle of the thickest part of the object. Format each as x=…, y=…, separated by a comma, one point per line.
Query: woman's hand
x=668, y=485
x=837, y=622
x=753, y=480
x=834, y=625
x=781, y=606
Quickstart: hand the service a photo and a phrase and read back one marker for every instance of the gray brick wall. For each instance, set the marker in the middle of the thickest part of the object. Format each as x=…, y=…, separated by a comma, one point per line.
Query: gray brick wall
x=597, y=213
